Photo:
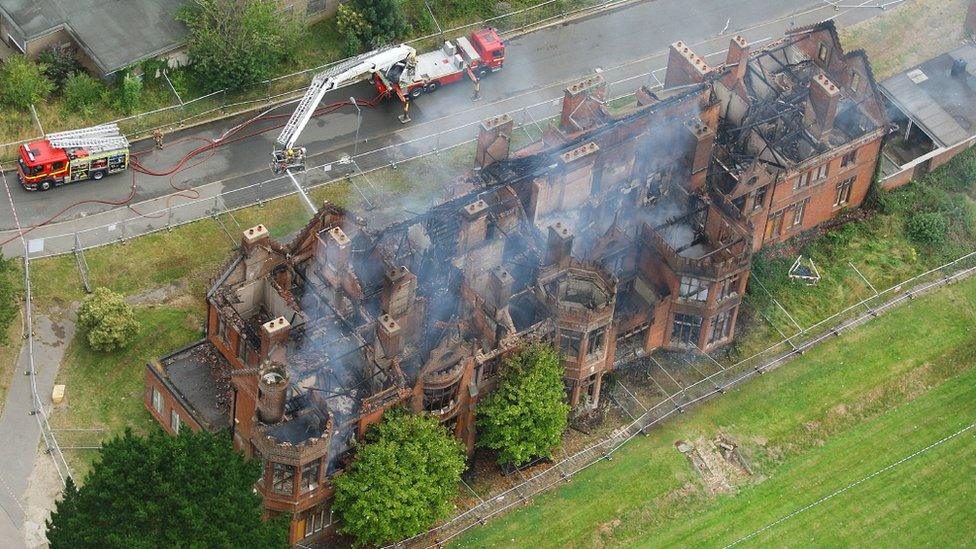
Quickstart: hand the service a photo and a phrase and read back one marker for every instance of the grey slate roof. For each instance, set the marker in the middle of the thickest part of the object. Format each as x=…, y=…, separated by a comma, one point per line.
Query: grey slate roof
x=942, y=105
x=114, y=33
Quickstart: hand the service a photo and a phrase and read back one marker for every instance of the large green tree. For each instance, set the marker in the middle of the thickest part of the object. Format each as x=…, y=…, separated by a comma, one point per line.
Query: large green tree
x=192, y=490
x=525, y=417
x=385, y=21
x=236, y=43
x=402, y=480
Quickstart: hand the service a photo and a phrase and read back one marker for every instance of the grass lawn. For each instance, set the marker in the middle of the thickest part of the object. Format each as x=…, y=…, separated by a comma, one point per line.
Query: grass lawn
x=878, y=245
x=829, y=418
x=935, y=26
x=104, y=390
x=11, y=294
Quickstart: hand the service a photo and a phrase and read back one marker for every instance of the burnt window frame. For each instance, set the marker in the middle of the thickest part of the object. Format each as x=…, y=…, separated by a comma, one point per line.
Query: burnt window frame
x=284, y=480
x=722, y=320
x=684, y=330
x=309, y=483
x=730, y=286
x=594, y=348
x=690, y=288
x=441, y=395
x=848, y=158
x=571, y=336
x=759, y=199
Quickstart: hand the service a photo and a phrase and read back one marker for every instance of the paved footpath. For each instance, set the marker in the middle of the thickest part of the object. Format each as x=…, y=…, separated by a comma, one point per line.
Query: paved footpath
x=627, y=43
x=20, y=433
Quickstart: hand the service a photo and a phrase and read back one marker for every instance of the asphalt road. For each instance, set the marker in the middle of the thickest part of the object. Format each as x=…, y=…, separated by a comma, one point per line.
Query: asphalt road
x=628, y=41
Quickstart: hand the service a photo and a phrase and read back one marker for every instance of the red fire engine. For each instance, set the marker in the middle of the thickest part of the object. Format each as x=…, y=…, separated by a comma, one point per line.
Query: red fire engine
x=76, y=155
x=395, y=70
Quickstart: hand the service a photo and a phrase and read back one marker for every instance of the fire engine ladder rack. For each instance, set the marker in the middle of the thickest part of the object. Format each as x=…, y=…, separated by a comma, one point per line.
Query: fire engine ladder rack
x=96, y=139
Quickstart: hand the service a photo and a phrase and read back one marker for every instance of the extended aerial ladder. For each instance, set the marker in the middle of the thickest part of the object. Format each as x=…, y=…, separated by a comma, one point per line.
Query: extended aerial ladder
x=286, y=156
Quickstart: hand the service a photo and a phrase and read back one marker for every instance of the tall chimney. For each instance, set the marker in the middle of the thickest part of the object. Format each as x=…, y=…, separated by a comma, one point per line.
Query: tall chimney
x=253, y=244
x=559, y=248
x=337, y=250
x=474, y=225
x=272, y=392
x=494, y=140
x=500, y=284
x=274, y=334
x=703, y=138
x=684, y=67
x=390, y=334
x=581, y=102
x=739, y=56
x=399, y=291
x=824, y=98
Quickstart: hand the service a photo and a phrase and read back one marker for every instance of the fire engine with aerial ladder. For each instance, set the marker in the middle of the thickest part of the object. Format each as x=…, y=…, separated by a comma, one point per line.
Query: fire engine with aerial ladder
x=395, y=71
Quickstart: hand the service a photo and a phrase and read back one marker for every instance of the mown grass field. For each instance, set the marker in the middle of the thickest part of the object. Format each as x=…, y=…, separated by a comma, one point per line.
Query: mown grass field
x=829, y=418
x=933, y=27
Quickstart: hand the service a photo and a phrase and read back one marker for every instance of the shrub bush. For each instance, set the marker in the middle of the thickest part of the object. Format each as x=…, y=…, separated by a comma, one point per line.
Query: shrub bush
x=59, y=64
x=130, y=93
x=928, y=228
x=109, y=320
x=82, y=93
x=22, y=82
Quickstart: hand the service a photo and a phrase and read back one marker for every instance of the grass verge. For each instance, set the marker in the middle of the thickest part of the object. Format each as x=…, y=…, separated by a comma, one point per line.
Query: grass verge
x=874, y=247
x=829, y=418
x=104, y=390
x=935, y=26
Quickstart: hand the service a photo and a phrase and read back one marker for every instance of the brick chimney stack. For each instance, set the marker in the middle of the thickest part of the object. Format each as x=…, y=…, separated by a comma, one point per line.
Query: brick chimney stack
x=337, y=250
x=739, y=56
x=390, y=334
x=500, y=284
x=703, y=140
x=494, y=140
x=822, y=107
x=399, y=291
x=474, y=225
x=684, y=67
x=274, y=335
x=253, y=244
x=559, y=248
x=581, y=102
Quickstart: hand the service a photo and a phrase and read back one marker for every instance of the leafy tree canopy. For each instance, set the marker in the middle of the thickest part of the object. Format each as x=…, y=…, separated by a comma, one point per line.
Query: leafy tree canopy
x=192, y=490
x=110, y=322
x=236, y=43
x=525, y=417
x=385, y=21
x=402, y=480
x=22, y=82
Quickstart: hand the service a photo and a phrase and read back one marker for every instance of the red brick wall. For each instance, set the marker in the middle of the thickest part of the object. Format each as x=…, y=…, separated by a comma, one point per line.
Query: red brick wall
x=170, y=403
